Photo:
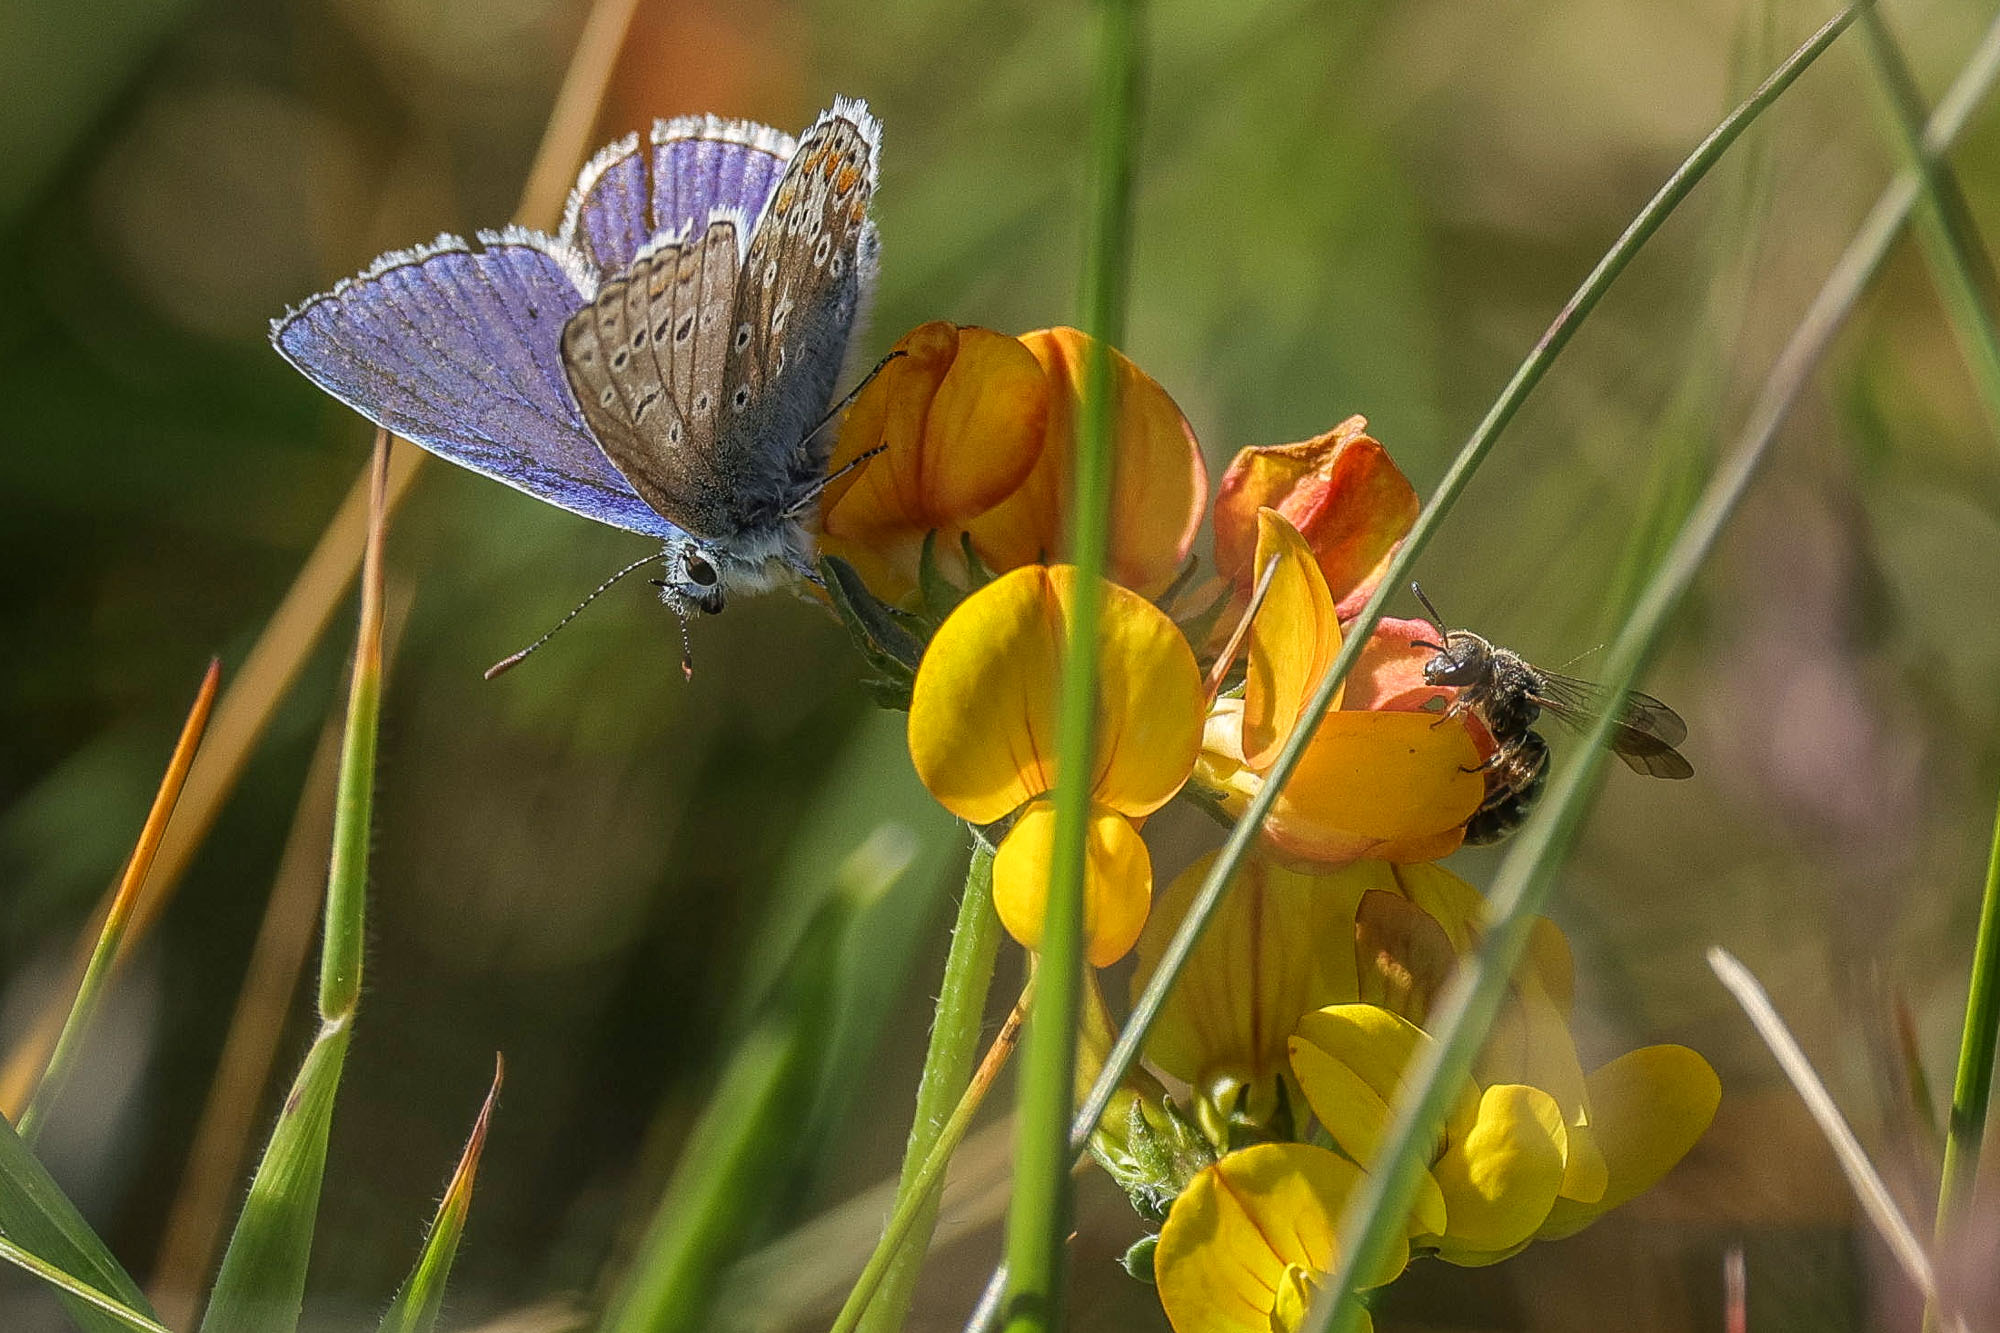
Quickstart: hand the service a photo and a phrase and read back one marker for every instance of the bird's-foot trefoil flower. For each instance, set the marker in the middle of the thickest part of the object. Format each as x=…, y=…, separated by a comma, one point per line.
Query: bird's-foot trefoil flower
x=1390, y=783
x=977, y=433
x=1340, y=490
x=982, y=735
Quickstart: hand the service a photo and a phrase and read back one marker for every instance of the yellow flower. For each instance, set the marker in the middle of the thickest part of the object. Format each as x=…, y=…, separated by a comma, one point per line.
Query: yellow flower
x=980, y=435
x=1497, y=1168
x=961, y=418
x=1390, y=784
x=1159, y=481
x=982, y=735
x=1648, y=1108
x=1247, y=1245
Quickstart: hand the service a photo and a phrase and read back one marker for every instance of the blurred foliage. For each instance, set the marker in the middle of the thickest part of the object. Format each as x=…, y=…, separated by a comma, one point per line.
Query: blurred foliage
x=595, y=868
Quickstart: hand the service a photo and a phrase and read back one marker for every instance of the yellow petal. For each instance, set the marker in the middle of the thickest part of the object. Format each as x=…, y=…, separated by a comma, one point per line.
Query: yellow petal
x=1349, y=1059
x=1150, y=701
x=982, y=714
x=1159, y=486
x=1648, y=1108
x=1238, y=1227
x=1530, y=1043
x=1277, y=947
x=961, y=417
x=1293, y=639
x=1391, y=786
x=1117, y=884
x=1501, y=1175
x=1402, y=956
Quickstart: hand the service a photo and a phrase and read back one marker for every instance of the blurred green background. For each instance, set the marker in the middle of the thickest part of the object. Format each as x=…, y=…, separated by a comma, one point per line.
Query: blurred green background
x=590, y=865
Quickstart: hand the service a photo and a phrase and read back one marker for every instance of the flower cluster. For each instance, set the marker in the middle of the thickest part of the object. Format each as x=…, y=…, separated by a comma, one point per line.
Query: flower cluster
x=1302, y=1006
x=1310, y=991
x=960, y=446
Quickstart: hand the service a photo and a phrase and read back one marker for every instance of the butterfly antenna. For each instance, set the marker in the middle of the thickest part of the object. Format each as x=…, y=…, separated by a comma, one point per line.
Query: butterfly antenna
x=687, y=642
x=508, y=663
x=805, y=502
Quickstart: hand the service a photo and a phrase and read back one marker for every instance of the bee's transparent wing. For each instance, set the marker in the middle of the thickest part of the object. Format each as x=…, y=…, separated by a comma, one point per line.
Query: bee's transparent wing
x=1644, y=735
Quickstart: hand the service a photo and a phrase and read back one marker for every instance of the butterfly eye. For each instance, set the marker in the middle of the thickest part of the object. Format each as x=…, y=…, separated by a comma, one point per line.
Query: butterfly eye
x=701, y=571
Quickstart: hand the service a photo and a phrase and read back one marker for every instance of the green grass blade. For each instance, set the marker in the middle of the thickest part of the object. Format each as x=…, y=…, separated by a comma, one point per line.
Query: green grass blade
x=415, y=1309
x=80, y=1293
x=1649, y=220
x=35, y=1213
x=1376, y=1215
x=1038, y=1222
x=961, y=1010
x=261, y=1283
x=105, y=953
x=1972, y=1090
x=746, y=1147
x=1958, y=260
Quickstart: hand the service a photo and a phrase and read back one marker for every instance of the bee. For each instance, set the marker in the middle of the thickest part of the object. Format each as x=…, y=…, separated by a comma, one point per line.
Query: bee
x=1509, y=694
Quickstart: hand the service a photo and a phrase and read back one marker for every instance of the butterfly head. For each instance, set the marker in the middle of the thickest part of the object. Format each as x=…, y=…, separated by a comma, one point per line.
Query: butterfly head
x=694, y=575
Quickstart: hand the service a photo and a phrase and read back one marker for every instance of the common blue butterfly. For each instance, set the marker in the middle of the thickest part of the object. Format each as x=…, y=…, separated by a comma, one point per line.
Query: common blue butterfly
x=660, y=364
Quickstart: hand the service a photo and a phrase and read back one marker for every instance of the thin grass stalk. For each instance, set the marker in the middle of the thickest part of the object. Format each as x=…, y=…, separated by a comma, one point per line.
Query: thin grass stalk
x=295, y=628
x=1038, y=1218
x=1375, y=1216
x=919, y=1203
x=1355, y=636
x=1862, y=1177
x=124, y=901
x=961, y=1010
x=1960, y=266
x=1972, y=1089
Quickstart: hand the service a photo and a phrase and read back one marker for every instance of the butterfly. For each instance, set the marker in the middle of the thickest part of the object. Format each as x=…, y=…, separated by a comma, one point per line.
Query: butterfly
x=663, y=364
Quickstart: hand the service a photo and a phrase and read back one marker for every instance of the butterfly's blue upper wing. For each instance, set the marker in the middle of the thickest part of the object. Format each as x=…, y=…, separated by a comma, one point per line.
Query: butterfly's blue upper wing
x=693, y=168
x=457, y=350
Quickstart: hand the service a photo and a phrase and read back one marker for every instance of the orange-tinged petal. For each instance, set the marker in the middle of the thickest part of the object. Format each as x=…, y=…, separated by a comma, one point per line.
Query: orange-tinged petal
x=1293, y=639
x=1340, y=489
x=1238, y=1227
x=962, y=414
x=982, y=713
x=1500, y=1176
x=1648, y=1107
x=1277, y=947
x=1388, y=786
x=1117, y=881
x=1389, y=674
x=1159, y=487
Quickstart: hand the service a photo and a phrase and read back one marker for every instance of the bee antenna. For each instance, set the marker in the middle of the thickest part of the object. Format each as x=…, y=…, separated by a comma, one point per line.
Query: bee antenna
x=1435, y=618
x=508, y=663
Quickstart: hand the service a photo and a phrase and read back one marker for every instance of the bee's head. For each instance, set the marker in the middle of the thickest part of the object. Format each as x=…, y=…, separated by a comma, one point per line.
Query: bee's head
x=1463, y=659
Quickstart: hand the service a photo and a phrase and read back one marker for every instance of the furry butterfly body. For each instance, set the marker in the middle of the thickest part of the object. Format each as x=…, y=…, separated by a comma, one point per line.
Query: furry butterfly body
x=660, y=364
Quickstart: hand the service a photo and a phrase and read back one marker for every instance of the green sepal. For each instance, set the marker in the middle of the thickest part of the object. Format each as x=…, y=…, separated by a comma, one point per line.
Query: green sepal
x=1138, y=1261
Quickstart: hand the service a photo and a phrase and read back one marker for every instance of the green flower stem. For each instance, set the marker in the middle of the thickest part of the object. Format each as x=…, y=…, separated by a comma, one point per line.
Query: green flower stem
x=1375, y=1217
x=961, y=1009
x=1973, y=1087
x=1530, y=373
x=105, y=953
x=1957, y=258
x=919, y=1201
x=1038, y=1219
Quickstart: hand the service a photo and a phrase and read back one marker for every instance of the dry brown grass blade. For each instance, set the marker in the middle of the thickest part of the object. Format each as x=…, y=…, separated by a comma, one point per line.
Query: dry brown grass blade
x=295, y=628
